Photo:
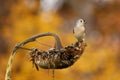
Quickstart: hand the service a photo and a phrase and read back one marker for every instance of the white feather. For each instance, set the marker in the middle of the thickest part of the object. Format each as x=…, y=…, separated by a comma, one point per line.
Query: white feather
x=79, y=30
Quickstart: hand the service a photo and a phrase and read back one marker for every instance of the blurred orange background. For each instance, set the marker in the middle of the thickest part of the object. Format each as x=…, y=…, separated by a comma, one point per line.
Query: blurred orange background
x=21, y=19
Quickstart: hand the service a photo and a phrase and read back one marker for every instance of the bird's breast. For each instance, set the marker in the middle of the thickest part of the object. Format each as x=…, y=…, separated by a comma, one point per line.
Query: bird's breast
x=79, y=31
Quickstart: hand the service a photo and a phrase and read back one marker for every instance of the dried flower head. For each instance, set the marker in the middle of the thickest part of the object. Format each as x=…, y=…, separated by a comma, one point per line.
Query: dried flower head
x=57, y=59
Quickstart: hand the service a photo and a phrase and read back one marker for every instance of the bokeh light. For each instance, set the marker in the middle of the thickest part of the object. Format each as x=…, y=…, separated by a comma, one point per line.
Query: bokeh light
x=21, y=19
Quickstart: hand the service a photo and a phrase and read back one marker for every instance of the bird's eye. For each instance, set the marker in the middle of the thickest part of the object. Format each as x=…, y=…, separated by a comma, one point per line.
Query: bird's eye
x=81, y=21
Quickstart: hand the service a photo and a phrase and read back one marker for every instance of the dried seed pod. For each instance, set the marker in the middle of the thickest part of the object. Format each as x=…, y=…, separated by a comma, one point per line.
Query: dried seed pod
x=57, y=59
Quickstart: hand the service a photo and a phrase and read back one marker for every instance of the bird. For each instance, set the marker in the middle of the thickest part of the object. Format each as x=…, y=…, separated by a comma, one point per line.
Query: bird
x=79, y=30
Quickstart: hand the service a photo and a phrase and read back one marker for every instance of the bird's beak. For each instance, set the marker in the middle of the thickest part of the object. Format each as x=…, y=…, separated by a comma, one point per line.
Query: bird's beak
x=85, y=22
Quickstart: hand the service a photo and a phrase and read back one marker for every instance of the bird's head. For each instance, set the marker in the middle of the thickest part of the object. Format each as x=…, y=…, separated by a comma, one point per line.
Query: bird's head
x=80, y=22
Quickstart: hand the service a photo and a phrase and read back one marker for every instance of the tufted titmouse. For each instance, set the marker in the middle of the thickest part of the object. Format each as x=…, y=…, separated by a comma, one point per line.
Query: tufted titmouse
x=79, y=30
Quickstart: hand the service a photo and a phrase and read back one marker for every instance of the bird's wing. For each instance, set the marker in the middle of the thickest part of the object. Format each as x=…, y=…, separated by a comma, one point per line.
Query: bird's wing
x=85, y=30
x=73, y=31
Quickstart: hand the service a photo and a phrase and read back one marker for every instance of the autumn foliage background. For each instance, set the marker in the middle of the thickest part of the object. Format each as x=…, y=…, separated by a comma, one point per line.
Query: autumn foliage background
x=21, y=19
